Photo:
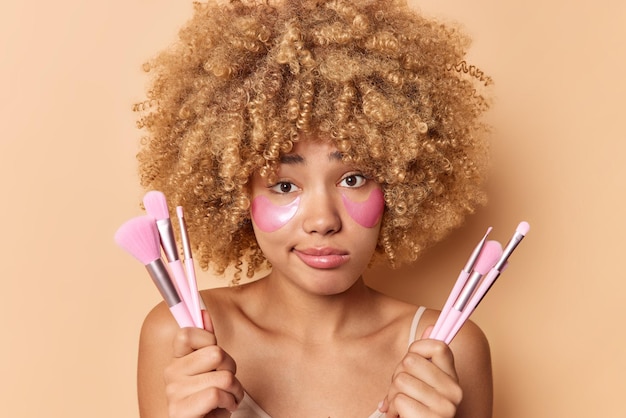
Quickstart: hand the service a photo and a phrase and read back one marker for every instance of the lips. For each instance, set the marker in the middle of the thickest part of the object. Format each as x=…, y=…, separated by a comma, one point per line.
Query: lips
x=322, y=258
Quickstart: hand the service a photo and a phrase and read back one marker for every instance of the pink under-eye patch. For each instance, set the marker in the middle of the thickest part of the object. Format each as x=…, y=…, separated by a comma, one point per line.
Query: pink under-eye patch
x=367, y=213
x=270, y=217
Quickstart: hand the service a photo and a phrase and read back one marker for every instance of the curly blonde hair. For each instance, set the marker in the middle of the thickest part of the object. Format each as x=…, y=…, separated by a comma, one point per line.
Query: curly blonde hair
x=247, y=79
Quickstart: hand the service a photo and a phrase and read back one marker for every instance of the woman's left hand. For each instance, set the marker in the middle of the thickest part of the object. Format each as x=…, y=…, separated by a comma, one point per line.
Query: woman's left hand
x=425, y=383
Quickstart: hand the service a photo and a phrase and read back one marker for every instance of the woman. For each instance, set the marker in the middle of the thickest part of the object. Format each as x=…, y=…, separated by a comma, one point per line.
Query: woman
x=308, y=139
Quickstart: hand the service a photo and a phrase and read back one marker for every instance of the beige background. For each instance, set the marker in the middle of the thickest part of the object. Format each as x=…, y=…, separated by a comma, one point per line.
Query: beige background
x=72, y=302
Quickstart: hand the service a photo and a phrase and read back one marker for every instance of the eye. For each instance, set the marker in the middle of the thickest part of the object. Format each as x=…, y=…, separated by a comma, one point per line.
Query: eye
x=284, y=187
x=353, y=181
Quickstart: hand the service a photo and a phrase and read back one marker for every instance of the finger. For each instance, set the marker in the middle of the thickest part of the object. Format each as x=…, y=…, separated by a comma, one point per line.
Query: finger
x=437, y=352
x=201, y=403
x=404, y=406
x=221, y=399
x=188, y=340
x=407, y=407
x=427, y=375
x=415, y=364
x=203, y=360
x=222, y=380
x=410, y=394
x=226, y=391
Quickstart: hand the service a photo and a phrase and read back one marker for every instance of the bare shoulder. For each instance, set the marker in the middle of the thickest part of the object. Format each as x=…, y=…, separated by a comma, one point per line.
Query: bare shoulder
x=155, y=352
x=472, y=357
x=471, y=343
x=158, y=326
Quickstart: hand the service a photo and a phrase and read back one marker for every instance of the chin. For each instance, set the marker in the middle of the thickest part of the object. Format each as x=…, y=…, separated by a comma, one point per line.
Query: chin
x=328, y=286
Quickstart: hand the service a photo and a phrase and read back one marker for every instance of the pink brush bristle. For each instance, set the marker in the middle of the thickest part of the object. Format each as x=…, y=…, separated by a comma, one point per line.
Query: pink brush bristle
x=139, y=237
x=488, y=257
x=156, y=205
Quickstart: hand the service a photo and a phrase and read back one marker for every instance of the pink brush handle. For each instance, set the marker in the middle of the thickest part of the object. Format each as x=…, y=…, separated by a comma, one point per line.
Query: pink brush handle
x=194, y=306
x=456, y=291
x=448, y=324
x=182, y=316
x=484, y=287
x=180, y=280
x=195, y=303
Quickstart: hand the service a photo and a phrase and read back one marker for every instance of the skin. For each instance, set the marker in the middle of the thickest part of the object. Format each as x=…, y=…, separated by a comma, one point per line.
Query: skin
x=311, y=331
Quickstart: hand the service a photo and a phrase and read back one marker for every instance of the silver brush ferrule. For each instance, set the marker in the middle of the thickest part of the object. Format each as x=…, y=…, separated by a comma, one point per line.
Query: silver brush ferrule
x=468, y=291
x=163, y=281
x=168, y=242
x=508, y=250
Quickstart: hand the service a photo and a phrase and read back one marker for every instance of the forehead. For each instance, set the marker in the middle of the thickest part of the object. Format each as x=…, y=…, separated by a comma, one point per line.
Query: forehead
x=303, y=151
x=307, y=153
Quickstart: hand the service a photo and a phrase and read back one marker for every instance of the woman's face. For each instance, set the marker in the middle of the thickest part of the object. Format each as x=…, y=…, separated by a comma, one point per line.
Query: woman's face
x=318, y=224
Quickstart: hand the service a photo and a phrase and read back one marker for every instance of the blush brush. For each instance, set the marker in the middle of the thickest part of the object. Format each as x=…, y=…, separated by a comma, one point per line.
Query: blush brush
x=139, y=237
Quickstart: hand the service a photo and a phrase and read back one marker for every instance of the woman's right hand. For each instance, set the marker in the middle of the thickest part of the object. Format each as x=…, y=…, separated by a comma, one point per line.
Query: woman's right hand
x=200, y=380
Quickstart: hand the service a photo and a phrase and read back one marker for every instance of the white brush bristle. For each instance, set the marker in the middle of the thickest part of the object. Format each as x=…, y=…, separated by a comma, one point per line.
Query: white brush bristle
x=139, y=236
x=523, y=228
x=488, y=256
x=156, y=205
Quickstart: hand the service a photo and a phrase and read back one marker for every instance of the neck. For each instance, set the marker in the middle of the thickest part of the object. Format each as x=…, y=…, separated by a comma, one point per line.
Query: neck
x=314, y=317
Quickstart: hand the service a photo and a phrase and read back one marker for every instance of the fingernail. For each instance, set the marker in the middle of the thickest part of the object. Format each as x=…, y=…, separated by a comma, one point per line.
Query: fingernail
x=382, y=407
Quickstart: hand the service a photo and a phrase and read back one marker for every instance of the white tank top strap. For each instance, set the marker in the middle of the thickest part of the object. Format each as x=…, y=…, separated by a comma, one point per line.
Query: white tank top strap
x=416, y=320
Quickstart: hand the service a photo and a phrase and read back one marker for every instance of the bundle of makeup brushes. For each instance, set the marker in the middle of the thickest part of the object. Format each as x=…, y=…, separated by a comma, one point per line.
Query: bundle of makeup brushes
x=146, y=238
x=480, y=272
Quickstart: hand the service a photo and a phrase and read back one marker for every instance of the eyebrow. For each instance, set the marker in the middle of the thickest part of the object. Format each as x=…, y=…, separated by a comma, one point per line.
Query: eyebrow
x=291, y=159
x=298, y=159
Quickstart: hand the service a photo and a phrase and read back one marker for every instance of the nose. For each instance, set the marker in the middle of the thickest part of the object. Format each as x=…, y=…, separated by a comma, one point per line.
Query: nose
x=321, y=214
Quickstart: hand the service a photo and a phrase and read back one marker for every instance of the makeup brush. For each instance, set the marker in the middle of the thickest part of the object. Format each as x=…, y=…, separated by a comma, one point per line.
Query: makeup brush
x=139, y=237
x=460, y=282
x=197, y=304
x=156, y=206
x=486, y=260
x=493, y=274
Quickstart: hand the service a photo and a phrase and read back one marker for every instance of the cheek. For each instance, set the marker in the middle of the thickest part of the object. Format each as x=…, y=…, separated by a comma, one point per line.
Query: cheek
x=367, y=213
x=269, y=217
